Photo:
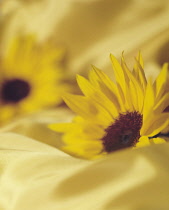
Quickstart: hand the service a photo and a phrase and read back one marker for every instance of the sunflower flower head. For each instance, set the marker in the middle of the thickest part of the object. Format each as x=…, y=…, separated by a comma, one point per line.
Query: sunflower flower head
x=31, y=77
x=116, y=115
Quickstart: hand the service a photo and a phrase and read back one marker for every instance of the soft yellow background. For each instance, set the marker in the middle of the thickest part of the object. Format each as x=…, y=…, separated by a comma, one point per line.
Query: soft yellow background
x=34, y=174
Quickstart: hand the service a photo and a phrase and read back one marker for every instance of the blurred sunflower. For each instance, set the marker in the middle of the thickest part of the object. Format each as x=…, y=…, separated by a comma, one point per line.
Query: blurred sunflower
x=31, y=77
x=113, y=116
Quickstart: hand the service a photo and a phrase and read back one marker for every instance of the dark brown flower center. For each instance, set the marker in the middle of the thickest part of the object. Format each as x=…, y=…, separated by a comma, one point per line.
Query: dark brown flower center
x=124, y=132
x=166, y=109
x=13, y=91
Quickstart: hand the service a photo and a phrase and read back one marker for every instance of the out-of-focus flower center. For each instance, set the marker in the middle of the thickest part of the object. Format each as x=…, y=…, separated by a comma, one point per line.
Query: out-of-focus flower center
x=13, y=91
x=124, y=132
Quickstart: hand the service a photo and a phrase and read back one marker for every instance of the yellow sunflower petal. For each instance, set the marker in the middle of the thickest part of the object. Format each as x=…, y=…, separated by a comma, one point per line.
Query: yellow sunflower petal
x=162, y=104
x=139, y=72
x=136, y=91
x=140, y=60
x=87, y=109
x=112, y=116
x=61, y=127
x=97, y=96
x=161, y=81
x=87, y=149
x=143, y=141
x=101, y=81
x=157, y=141
x=149, y=100
x=155, y=124
x=119, y=73
x=96, y=76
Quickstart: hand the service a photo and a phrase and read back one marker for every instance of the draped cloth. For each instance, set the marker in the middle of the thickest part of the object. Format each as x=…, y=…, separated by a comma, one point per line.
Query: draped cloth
x=40, y=177
x=34, y=174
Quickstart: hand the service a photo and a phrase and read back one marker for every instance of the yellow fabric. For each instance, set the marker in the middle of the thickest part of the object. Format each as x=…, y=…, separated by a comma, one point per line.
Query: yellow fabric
x=36, y=176
x=92, y=29
x=33, y=173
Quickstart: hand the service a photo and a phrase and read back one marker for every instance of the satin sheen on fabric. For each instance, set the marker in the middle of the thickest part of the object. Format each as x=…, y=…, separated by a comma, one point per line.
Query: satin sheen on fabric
x=37, y=176
x=91, y=30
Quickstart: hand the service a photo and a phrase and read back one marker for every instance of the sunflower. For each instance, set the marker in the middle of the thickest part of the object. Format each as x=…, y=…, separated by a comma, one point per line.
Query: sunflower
x=116, y=115
x=31, y=77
